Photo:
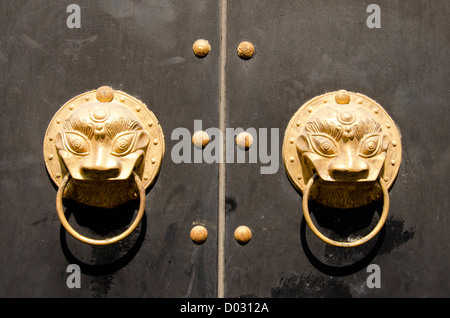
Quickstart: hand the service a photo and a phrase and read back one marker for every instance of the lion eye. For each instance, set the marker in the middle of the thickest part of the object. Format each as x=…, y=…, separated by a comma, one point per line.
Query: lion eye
x=324, y=145
x=123, y=143
x=76, y=143
x=369, y=146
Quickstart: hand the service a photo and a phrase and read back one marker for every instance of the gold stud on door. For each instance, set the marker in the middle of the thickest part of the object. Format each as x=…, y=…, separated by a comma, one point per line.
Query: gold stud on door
x=103, y=148
x=342, y=150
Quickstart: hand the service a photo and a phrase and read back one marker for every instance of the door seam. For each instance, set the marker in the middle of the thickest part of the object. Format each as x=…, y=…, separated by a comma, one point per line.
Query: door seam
x=222, y=166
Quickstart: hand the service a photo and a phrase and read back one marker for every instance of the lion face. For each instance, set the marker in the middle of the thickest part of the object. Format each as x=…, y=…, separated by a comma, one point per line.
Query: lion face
x=102, y=141
x=343, y=144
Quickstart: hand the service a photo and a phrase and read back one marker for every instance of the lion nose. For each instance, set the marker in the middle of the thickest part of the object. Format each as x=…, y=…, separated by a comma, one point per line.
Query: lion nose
x=348, y=166
x=100, y=165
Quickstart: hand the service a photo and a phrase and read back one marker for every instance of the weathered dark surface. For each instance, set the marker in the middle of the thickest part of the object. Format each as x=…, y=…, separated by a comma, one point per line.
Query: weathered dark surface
x=144, y=49
x=303, y=49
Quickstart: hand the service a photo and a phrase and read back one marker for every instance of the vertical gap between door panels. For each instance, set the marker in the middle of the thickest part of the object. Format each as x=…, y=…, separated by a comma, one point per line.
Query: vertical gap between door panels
x=222, y=166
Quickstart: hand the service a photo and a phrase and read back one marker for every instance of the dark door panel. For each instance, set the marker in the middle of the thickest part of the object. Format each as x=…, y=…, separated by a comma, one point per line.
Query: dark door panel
x=305, y=49
x=144, y=49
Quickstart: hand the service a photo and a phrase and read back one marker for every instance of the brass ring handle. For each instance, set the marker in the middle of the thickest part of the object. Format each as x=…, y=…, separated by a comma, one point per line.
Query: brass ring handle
x=345, y=244
x=65, y=223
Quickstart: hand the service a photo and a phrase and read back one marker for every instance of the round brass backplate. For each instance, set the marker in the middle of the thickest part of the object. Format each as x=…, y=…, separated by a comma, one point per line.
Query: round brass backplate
x=295, y=168
x=154, y=154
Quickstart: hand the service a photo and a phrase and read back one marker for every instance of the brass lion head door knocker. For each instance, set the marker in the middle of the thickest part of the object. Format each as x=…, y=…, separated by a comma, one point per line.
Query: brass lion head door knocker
x=342, y=150
x=103, y=148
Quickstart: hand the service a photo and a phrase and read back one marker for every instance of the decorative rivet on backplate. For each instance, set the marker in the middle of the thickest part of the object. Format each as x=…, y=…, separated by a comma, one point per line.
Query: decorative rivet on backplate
x=244, y=140
x=242, y=234
x=200, y=139
x=394, y=143
x=104, y=94
x=342, y=97
x=201, y=48
x=71, y=107
x=155, y=141
x=199, y=234
x=245, y=50
x=50, y=157
x=393, y=162
x=153, y=160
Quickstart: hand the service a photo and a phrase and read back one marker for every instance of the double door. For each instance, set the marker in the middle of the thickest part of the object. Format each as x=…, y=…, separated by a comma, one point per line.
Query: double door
x=394, y=52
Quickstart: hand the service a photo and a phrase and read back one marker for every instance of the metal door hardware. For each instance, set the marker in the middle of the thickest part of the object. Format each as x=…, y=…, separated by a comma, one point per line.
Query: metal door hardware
x=243, y=234
x=342, y=150
x=199, y=234
x=103, y=148
x=201, y=48
x=245, y=50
